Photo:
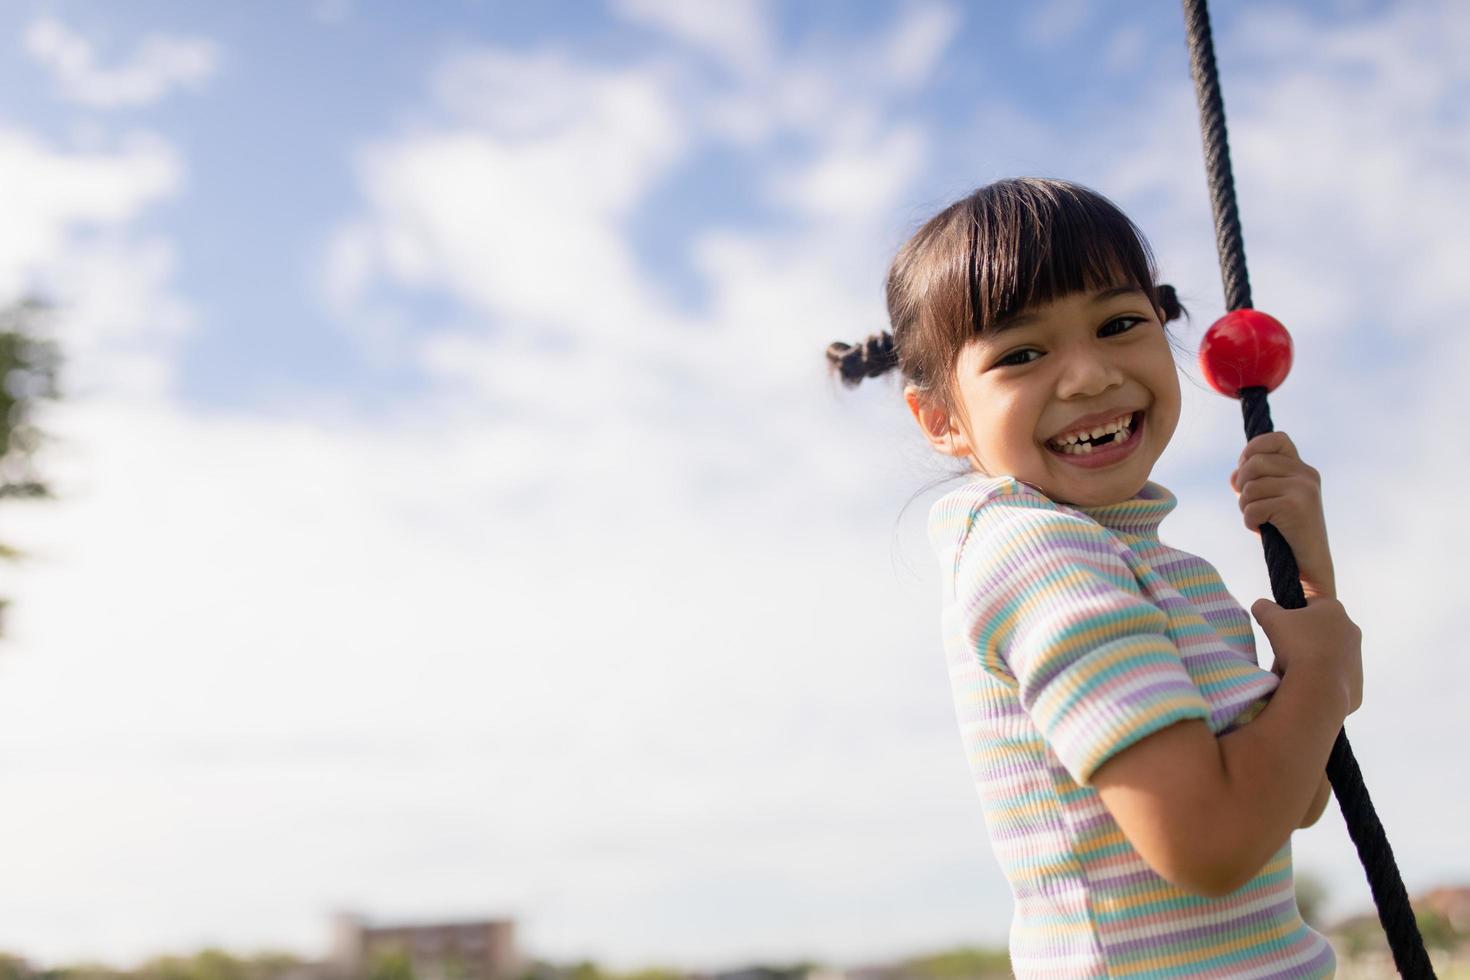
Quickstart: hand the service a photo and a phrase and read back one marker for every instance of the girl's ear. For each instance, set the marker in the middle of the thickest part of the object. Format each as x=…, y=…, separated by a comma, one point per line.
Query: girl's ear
x=937, y=424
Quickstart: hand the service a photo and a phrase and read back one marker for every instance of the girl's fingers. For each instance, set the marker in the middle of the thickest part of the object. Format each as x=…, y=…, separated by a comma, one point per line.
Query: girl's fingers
x=1270, y=442
x=1272, y=510
x=1271, y=464
x=1256, y=467
x=1259, y=512
x=1295, y=485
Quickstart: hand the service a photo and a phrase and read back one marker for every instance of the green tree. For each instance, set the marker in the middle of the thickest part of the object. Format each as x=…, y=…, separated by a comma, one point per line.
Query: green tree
x=1436, y=930
x=586, y=970
x=653, y=973
x=13, y=968
x=216, y=964
x=394, y=965
x=85, y=971
x=270, y=965
x=28, y=370
x=541, y=970
x=964, y=963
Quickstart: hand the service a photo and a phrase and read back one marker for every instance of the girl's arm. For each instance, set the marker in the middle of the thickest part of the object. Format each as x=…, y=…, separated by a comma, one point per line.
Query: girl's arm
x=1207, y=813
x=1319, y=802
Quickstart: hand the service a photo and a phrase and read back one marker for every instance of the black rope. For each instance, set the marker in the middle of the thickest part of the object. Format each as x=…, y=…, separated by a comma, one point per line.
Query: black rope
x=1217, y=156
x=1364, y=827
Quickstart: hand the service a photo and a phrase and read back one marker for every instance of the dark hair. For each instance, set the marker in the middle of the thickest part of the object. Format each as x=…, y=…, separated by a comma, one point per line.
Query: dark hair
x=1007, y=247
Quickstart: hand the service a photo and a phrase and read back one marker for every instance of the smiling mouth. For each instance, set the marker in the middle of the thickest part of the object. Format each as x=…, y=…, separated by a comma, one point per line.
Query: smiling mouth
x=1120, y=433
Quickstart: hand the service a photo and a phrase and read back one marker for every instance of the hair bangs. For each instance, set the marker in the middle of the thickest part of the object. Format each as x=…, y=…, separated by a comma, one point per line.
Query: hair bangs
x=1034, y=243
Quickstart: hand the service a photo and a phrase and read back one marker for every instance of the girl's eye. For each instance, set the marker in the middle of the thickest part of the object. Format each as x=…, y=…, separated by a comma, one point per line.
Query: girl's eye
x=1010, y=359
x=1129, y=323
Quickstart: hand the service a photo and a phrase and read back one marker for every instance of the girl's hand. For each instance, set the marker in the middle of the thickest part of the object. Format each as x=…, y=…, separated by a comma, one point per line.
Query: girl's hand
x=1318, y=639
x=1275, y=487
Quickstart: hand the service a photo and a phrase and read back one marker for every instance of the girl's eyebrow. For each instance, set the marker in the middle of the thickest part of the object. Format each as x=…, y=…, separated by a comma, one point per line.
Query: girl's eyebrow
x=1022, y=319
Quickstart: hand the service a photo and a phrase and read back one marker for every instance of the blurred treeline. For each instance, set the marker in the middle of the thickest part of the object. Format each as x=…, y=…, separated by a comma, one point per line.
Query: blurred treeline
x=965, y=963
x=28, y=368
x=216, y=964
x=209, y=964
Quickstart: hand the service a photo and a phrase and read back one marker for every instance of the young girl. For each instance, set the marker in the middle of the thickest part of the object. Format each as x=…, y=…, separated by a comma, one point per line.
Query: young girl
x=1141, y=775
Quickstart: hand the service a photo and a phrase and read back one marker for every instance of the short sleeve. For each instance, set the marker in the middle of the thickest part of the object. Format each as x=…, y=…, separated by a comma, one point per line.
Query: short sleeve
x=1048, y=600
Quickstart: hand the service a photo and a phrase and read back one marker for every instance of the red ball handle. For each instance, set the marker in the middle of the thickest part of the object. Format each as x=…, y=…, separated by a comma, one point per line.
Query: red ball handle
x=1245, y=349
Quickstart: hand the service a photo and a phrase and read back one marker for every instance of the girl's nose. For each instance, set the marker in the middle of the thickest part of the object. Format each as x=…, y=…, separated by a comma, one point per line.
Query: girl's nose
x=1085, y=376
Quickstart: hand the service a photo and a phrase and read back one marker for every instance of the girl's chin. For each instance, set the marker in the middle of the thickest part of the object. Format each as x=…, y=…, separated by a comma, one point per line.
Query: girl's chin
x=1106, y=486
x=1097, y=498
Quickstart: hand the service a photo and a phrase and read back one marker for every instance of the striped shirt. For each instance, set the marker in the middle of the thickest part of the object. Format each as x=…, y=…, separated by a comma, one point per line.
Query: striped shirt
x=1071, y=633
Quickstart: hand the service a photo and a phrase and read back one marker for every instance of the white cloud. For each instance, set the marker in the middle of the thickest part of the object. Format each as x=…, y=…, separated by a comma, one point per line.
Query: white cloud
x=46, y=194
x=738, y=32
x=119, y=317
x=919, y=40
x=519, y=208
x=861, y=173
x=331, y=636
x=613, y=513
x=70, y=237
x=159, y=64
x=67, y=238
x=827, y=88
x=500, y=209
x=596, y=539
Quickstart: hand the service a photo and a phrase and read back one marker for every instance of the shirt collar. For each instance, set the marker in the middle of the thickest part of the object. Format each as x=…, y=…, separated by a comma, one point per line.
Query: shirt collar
x=1141, y=514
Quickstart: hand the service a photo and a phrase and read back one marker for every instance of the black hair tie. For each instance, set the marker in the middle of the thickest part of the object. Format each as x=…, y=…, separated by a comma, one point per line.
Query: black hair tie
x=874, y=356
x=1168, y=301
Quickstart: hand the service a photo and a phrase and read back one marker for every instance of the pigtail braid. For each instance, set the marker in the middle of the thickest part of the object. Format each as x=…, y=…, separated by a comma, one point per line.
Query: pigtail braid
x=874, y=356
x=1167, y=301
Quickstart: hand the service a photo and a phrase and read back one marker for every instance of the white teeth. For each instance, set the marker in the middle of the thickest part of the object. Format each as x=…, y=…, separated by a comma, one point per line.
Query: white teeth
x=1070, y=442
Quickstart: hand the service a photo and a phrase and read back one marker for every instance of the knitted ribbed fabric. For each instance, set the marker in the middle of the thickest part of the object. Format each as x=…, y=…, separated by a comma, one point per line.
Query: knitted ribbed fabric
x=1072, y=633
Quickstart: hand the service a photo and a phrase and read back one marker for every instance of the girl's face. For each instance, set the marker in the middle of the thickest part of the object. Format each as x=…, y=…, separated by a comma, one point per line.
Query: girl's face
x=1073, y=367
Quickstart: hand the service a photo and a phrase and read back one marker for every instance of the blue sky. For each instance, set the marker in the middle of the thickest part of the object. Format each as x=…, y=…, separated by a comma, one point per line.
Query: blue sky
x=456, y=517
x=268, y=137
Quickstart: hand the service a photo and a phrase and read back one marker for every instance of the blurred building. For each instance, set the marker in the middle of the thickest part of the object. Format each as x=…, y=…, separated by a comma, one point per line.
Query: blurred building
x=476, y=950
